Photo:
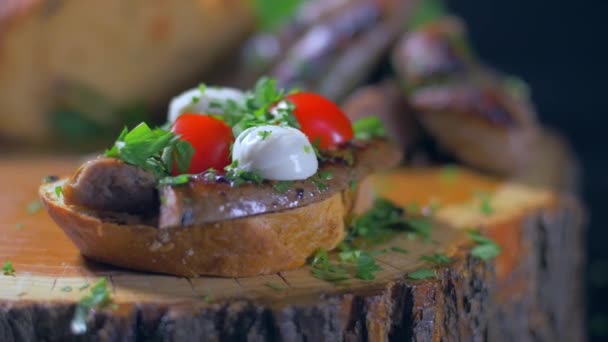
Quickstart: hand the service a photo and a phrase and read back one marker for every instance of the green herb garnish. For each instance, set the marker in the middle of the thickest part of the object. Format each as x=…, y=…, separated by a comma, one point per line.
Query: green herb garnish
x=239, y=177
x=325, y=175
x=485, y=249
x=437, y=259
x=175, y=180
x=34, y=206
x=420, y=274
x=59, y=191
x=8, y=269
x=66, y=289
x=282, y=186
x=352, y=184
x=368, y=128
x=449, y=174
x=399, y=250
x=324, y=269
x=307, y=149
x=320, y=185
x=98, y=298
x=264, y=134
x=425, y=12
x=264, y=105
x=274, y=286
x=206, y=298
x=484, y=203
x=84, y=287
x=154, y=150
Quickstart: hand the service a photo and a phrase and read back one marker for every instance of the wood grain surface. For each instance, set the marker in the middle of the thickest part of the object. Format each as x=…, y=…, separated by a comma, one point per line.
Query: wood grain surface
x=51, y=274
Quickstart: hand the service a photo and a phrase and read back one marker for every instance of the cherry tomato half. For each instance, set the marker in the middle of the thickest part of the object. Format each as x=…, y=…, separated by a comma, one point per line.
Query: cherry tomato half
x=210, y=137
x=322, y=119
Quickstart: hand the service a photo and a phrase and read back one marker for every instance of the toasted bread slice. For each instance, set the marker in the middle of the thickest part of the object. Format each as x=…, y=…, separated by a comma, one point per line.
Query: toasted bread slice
x=249, y=246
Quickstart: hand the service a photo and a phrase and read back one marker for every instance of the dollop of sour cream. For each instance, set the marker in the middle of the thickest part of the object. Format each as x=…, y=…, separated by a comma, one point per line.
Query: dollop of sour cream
x=195, y=101
x=276, y=152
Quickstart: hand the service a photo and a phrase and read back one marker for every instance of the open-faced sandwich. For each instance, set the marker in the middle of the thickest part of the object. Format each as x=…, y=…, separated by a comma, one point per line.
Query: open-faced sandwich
x=235, y=184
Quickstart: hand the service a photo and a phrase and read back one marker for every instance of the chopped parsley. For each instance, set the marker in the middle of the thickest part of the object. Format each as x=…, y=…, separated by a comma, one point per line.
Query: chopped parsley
x=239, y=177
x=84, y=287
x=325, y=175
x=265, y=104
x=449, y=174
x=324, y=269
x=320, y=185
x=33, y=207
x=368, y=128
x=352, y=184
x=420, y=274
x=206, y=298
x=377, y=225
x=274, y=286
x=175, y=180
x=154, y=150
x=485, y=206
x=98, y=298
x=425, y=12
x=437, y=259
x=8, y=269
x=66, y=289
x=264, y=134
x=282, y=186
x=59, y=191
x=399, y=250
x=307, y=149
x=485, y=249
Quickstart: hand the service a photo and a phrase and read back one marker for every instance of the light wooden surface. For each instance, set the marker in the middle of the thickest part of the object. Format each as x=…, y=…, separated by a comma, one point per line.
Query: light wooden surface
x=49, y=268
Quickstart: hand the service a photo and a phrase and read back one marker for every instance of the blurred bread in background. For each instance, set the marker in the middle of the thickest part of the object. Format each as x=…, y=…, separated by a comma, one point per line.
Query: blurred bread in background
x=79, y=66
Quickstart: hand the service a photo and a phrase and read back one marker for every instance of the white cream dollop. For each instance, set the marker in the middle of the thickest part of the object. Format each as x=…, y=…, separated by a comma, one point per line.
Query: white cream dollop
x=195, y=101
x=276, y=152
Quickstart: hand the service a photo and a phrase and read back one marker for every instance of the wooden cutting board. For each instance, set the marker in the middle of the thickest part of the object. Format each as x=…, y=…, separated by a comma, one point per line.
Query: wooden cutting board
x=540, y=233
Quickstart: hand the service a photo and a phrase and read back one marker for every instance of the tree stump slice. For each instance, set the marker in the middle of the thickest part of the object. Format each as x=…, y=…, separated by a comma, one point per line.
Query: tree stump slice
x=532, y=291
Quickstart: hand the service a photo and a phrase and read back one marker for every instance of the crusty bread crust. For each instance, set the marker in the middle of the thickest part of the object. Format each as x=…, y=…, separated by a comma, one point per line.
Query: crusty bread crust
x=261, y=244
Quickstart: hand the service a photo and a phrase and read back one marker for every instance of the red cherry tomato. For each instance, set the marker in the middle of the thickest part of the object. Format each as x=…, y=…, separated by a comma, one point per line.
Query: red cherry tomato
x=211, y=139
x=322, y=119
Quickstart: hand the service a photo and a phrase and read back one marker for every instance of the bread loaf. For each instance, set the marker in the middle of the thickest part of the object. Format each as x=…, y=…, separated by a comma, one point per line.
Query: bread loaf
x=116, y=52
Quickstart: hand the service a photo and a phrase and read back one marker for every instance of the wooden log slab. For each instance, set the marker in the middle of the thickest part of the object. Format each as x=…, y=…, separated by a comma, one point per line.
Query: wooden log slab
x=531, y=291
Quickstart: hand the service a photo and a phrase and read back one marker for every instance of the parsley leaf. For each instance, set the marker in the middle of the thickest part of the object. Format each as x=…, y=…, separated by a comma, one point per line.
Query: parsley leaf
x=264, y=134
x=324, y=269
x=449, y=174
x=154, y=150
x=485, y=249
x=420, y=274
x=484, y=203
x=274, y=286
x=325, y=175
x=98, y=298
x=368, y=128
x=8, y=269
x=239, y=177
x=437, y=259
x=175, y=180
x=282, y=186
x=399, y=250
x=320, y=185
x=425, y=12
x=33, y=207
x=59, y=191
x=66, y=289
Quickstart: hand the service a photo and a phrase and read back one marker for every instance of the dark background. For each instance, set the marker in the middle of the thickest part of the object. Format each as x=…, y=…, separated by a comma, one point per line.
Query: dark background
x=560, y=48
